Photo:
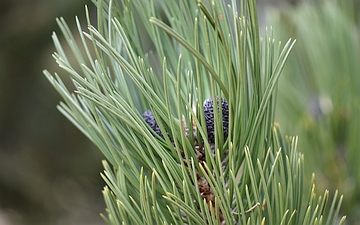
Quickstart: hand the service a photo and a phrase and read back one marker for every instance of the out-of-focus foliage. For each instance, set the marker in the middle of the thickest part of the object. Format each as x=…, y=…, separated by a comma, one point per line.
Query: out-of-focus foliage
x=320, y=92
x=49, y=173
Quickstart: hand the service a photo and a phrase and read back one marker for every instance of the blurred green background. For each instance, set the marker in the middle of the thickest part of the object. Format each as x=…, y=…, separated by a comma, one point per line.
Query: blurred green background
x=319, y=93
x=49, y=172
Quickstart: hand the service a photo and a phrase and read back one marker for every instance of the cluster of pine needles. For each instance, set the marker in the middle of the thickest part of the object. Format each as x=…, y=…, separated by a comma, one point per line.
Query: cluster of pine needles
x=187, y=128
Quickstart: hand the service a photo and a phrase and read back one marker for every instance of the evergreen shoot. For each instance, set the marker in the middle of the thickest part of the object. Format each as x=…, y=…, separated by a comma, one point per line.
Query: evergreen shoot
x=186, y=127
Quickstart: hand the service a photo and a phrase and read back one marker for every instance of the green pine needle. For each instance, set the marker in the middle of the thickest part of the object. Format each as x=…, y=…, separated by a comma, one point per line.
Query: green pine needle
x=200, y=50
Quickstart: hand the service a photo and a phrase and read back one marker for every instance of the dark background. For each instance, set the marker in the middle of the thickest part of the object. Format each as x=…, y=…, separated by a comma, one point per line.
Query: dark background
x=49, y=172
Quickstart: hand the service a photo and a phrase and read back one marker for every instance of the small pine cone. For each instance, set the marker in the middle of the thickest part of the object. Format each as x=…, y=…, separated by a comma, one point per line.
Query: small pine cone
x=149, y=118
x=209, y=117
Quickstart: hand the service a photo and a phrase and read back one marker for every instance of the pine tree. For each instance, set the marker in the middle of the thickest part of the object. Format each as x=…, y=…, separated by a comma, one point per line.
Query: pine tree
x=187, y=128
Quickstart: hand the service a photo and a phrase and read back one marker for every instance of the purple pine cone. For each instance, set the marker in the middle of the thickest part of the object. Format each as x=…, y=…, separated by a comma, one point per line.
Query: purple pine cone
x=209, y=117
x=149, y=118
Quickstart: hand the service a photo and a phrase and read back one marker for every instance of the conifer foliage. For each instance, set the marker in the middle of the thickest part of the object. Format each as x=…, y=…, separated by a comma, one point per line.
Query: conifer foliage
x=187, y=128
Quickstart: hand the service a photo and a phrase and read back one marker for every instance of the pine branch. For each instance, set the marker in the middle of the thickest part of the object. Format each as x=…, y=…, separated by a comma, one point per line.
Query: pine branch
x=206, y=150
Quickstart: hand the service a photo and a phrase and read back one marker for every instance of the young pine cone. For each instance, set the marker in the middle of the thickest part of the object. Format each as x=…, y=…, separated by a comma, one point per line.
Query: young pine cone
x=209, y=117
x=149, y=118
